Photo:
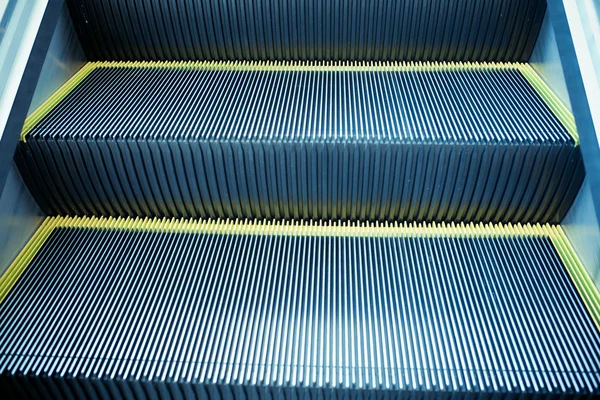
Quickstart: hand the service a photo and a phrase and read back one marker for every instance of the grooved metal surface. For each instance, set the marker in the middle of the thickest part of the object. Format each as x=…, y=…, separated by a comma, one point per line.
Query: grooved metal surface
x=415, y=143
x=376, y=30
x=418, y=103
x=457, y=314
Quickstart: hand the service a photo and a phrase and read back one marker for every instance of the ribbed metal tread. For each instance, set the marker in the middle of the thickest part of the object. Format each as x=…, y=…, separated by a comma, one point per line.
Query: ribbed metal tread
x=239, y=305
x=355, y=30
x=441, y=142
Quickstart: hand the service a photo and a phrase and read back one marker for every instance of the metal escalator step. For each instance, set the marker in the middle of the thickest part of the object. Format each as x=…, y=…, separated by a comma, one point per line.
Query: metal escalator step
x=136, y=308
x=384, y=30
x=414, y=142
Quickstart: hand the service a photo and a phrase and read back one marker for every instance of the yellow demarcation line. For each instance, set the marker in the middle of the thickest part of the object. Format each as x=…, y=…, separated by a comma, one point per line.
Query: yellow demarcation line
x=551, y=100
x=300, y=228
x=307, y=66
x=20, y=263
x=575, y=268
x=55, y=98
x=579, y=275
x=558, y=108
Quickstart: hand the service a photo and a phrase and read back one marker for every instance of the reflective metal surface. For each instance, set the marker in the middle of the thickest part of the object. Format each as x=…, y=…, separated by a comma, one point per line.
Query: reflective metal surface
x=429, y=314
x=19, y=213
x=20, y=216
x=323, y=30
x=65, y=57
x=581, y=227
x=545, y=60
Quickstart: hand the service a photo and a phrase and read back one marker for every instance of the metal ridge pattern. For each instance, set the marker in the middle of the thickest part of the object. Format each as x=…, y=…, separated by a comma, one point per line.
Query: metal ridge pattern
x=171, y=301
x=255, y=227
x=551, y=100
x=308, y=30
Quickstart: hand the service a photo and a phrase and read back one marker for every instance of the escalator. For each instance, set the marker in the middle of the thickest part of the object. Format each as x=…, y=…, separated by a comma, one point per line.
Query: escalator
x=290, y=199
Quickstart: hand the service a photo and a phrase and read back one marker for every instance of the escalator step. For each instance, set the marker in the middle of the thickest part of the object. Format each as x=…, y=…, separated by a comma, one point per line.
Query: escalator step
x=430, y=142
x=180, y=305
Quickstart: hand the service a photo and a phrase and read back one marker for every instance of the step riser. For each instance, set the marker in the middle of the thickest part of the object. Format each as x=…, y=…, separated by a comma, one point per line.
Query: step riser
x=302, y=181
x=484, y=30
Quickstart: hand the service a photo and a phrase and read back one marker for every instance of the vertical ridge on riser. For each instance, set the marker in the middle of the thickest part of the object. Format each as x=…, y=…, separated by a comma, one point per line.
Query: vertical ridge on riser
x=477, y=309
x=435, y=142
x=378, y=30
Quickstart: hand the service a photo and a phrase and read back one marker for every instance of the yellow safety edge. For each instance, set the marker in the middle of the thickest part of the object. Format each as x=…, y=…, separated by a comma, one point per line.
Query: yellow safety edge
x=556, y=106
x=579, y=275
x=54, y=99
x=300, y=228
x=306, y=65
x=20, y=263
x=575, y=268
x=561, y=112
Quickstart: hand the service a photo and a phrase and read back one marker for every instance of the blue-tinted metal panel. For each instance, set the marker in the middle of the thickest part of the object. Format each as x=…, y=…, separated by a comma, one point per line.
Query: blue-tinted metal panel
x=65, y=57
x=19, y=213
x=19, y=218
x=545, y=60
x=18, y=102
x=589, y=13
x=574, y=23
x=581, y=227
